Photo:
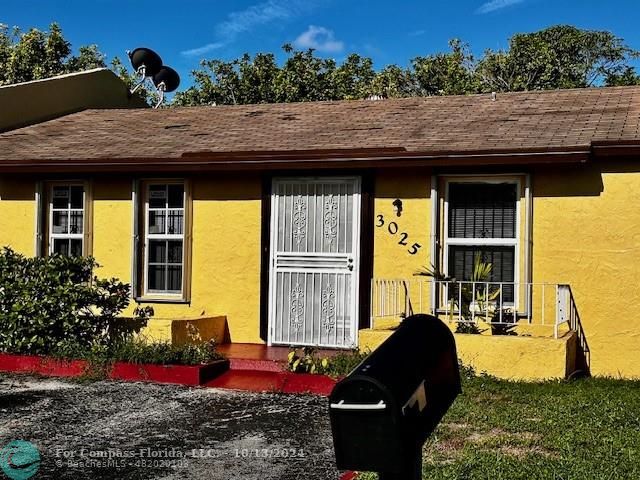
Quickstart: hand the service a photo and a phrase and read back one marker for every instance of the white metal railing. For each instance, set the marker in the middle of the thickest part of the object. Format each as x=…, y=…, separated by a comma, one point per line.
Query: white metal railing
x=501, y=305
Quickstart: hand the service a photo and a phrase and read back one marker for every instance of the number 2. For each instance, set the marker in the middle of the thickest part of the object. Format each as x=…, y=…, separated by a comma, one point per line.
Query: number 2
x=403, y=239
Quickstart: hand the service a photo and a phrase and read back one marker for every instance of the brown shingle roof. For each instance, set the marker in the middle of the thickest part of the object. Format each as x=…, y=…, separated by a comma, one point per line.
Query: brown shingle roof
x=551, y=121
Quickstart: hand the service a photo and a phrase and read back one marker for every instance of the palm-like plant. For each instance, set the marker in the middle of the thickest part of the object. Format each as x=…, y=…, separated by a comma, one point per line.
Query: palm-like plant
x=469, y=299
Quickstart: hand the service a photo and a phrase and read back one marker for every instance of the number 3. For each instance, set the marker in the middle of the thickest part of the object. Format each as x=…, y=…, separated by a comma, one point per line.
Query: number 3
x=414, y=248
x=380, y=220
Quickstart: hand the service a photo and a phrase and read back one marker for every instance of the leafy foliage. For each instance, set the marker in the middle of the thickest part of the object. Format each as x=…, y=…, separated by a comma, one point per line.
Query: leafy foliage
x=34, y=54
x=562, y=56
x=557, y=57
x=45, y=302
x=341, y=364
x=481, y=302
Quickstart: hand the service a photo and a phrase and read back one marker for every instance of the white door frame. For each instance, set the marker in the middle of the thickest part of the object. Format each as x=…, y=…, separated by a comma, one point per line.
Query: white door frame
x=354, y=309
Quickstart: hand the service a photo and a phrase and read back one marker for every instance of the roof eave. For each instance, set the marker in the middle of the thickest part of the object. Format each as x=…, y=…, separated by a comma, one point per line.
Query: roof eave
x=272, y=160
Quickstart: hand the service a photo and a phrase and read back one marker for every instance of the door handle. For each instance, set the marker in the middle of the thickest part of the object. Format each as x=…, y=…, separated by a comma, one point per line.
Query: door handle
x=350, y=266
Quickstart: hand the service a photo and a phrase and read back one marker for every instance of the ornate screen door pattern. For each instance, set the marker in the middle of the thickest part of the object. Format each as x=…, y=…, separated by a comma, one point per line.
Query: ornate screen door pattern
x=315, y=238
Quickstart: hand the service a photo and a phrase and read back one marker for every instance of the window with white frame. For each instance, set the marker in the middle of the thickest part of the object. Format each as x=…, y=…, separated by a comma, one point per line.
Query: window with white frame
x=482, y=219
x=67, y=220
x=164, y=238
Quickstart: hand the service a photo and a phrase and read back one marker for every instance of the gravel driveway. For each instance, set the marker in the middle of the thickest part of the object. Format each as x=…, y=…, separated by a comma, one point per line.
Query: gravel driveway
x=142, y=431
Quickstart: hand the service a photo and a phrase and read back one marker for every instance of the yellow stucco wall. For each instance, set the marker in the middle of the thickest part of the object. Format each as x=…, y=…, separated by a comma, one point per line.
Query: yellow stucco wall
x=507, y=357
x=225, y=251
x=587, y=234
x=391, y=260
x=226, y=257
x=18, y=214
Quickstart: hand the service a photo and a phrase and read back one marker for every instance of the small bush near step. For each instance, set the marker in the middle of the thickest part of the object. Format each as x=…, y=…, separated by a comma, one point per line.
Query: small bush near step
x=306, y=360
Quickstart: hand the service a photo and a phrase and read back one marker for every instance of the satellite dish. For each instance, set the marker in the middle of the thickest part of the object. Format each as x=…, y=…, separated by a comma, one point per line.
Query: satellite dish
x=148, y=64
x=145, y=61
x=167, y=79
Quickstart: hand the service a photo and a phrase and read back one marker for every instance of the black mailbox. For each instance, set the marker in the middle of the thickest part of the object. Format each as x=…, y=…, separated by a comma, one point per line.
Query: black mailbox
x=382, y=413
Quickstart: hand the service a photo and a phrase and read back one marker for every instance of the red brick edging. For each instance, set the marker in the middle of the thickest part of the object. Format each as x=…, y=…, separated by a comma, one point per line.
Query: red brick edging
x=178, y=374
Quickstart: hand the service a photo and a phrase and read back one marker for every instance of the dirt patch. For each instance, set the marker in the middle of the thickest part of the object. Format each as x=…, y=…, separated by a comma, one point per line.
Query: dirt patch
x=166, y=432
x=502, y=436
x=456, y=427
x=522, y=452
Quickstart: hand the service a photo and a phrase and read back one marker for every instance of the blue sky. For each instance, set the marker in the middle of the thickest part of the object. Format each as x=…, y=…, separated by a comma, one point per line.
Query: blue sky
x=183, y=32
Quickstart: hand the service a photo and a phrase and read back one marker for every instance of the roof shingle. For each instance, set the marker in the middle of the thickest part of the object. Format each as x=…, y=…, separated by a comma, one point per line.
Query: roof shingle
x=515, y=122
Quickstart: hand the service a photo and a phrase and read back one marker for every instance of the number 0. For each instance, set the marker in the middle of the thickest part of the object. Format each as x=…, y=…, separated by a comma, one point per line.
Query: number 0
x=393, y=228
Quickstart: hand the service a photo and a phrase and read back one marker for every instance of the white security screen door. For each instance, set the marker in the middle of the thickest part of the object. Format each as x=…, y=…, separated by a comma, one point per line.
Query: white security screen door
x=315, y=239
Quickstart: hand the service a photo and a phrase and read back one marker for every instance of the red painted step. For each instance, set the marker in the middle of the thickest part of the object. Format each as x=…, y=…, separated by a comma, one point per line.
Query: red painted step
x=250, y=380
x=256, y=365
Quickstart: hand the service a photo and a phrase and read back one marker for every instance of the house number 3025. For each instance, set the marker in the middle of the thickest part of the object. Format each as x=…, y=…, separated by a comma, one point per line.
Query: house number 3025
x=392, y=228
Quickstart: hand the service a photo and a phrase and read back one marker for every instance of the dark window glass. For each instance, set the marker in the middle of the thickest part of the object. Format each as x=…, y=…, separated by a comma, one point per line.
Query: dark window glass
x=60, y=197
x=502, y=259
x=61, y=246
x=77, y=200
x=174, y=278
x=157, y=251
x=77, y=218
x=482, y=210
x=156, y=222
x=175, y=252
x=76, y=247
x=60, y=222
x=176, y=196
x=176, y=221
x=157, y=277
x=157, y=196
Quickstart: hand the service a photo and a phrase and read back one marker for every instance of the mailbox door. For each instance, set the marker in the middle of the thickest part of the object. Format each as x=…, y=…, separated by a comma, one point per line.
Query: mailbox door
x=366, y=426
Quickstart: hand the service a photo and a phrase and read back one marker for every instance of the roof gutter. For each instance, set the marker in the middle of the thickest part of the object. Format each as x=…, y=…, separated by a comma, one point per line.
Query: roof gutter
x=269, y=160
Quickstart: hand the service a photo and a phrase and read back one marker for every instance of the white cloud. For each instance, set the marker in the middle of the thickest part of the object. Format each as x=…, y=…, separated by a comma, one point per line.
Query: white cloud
x=246, y=20
x=417, y=33
x=209, y=47
x=320, y=39
x=494, y=5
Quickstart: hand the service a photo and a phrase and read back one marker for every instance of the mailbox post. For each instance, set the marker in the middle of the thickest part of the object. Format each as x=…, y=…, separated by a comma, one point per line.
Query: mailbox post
x=383, y=412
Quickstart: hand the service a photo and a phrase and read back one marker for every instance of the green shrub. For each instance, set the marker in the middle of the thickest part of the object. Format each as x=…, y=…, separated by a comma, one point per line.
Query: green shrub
x=140, y=351
x=55, y=303
x=341, y=364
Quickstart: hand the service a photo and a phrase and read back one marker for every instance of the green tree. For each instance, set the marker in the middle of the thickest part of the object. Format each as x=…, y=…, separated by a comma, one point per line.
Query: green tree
x=562, y=56
x=626, y=77
x=451, y=73
x=34, y=54
x=393, y=81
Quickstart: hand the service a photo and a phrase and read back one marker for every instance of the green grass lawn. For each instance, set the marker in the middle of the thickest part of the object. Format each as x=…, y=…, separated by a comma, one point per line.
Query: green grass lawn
x=583, y=429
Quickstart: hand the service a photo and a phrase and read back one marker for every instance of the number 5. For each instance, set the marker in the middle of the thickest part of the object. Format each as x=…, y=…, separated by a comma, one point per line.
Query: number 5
x=414, y=248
